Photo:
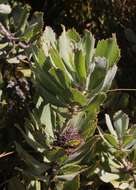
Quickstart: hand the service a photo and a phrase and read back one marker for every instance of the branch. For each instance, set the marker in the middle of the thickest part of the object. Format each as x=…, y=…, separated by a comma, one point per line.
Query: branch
x=10, y=37
x=122, y=89
x=5, y=154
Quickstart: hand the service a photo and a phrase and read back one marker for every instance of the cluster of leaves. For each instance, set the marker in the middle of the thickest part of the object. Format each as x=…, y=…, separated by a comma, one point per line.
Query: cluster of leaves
x=18, y=32
x=102, y=18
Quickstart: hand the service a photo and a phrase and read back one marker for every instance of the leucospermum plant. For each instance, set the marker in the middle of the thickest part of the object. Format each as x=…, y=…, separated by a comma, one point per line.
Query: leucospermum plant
x=71, y=75
x=63, y=146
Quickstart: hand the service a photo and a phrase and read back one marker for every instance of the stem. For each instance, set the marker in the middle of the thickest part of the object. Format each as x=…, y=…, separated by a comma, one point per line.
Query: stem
x=134, y=178
x=122, y=89
x=10, y=37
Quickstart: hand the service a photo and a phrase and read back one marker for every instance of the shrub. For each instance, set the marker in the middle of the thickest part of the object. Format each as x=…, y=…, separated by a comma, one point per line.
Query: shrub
x=71, y=78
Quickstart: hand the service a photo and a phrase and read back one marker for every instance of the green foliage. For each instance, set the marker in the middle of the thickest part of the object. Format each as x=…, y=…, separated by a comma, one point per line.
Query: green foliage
x=102, y=18
x=18, y=31
x=71, y=78
x=74, y=68
x=120, y=157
